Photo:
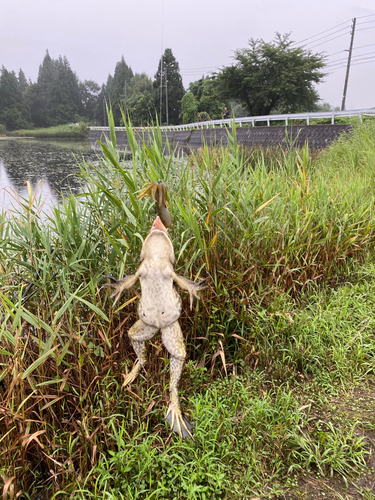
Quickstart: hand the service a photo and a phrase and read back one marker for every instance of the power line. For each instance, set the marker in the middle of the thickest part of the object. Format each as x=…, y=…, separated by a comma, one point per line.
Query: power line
x=354, y=61
x=365, y=54
x=332, y=70
x=343, y=67
x=355, y=58
x=329, y=40
x=330, y=29
x=326, y=36
x=332, y=64
x=363, y=46
x=367, y=62
x=338, y=61
x=196, y=73
x=339, y=52
x=367, y=22
x=354, y=48
x=369, y=15
x=203, y=68
x=371, y=60
x=321, y=33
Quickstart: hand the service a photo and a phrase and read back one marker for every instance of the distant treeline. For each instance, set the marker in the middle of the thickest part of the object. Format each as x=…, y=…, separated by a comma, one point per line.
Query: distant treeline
x=59, y=97
x=265, y=78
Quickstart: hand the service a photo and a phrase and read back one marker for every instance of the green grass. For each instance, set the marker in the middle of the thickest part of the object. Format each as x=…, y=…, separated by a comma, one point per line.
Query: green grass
x=252, y=428
x=286, y=324
x=60, y=131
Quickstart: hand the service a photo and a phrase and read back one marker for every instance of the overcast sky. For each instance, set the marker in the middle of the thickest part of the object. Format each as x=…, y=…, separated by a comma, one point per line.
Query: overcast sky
x=202, y=34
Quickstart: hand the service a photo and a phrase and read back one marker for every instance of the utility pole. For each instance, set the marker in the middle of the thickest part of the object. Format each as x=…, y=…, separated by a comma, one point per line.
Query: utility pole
x=161, y=61
x=166, y=96
x=348, y=66
x=125, y=99
x=161, y=86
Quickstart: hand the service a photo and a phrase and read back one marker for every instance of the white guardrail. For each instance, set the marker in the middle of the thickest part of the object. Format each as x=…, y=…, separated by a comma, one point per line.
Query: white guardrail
x=267, y=118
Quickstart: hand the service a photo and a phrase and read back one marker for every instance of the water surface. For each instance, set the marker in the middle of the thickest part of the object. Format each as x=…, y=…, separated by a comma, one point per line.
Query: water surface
x=54, y=162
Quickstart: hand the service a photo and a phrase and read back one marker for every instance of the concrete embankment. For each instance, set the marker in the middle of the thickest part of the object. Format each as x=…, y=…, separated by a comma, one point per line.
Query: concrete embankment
x=317, y=136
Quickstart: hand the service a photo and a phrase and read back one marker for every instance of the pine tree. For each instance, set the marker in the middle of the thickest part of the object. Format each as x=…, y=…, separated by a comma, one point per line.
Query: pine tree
x=22, y=81
x=168, y=84
x=100, y=109
x=108, y=88
x=65, y=98
x=55, y=98
x=121, y=78
x=14, y=112
x=40, y=94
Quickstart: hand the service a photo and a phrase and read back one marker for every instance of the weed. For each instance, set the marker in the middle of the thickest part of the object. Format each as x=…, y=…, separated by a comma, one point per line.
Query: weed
x=72, y=131
x=272, y=232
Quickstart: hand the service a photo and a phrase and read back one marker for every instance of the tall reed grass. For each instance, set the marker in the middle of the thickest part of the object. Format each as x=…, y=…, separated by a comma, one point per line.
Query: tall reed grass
x=262, y=226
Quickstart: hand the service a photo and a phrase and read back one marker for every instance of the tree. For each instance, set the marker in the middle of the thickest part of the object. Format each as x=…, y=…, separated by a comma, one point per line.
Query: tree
x=189, y=108
x=139, y=103
x=238, y=110
x=22, y=81
x=89, y=93
x=39, y=95
x=168, y=81
x=55, y=98
x=275, y=75
x=104, y=100
x=325, y=106
x=116, y=89
x=14, y=112
x=65, y=99
x=34, y=100
x=100, y=109
x=209, y=100
x=108, y=87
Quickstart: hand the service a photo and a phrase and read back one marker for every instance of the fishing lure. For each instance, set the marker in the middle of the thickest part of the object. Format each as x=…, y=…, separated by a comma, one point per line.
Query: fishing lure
x=158, y=192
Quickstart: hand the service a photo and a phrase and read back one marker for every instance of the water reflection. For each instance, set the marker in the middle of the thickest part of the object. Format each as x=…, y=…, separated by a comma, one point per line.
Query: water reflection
x=51, y=161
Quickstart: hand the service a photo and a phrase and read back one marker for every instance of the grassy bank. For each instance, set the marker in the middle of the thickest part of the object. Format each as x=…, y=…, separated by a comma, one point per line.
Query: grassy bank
x=285, y=326
x=80, y=131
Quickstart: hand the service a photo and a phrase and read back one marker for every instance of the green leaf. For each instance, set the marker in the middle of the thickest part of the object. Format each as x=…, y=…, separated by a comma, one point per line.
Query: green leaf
x=93, y=308
x=37, y=362
x=6, y=353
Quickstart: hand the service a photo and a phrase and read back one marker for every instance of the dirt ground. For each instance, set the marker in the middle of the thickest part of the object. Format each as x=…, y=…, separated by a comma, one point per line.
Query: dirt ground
x=358, y=406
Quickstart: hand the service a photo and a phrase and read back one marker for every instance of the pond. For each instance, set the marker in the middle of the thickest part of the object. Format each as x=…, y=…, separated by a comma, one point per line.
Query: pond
x=54, y=162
